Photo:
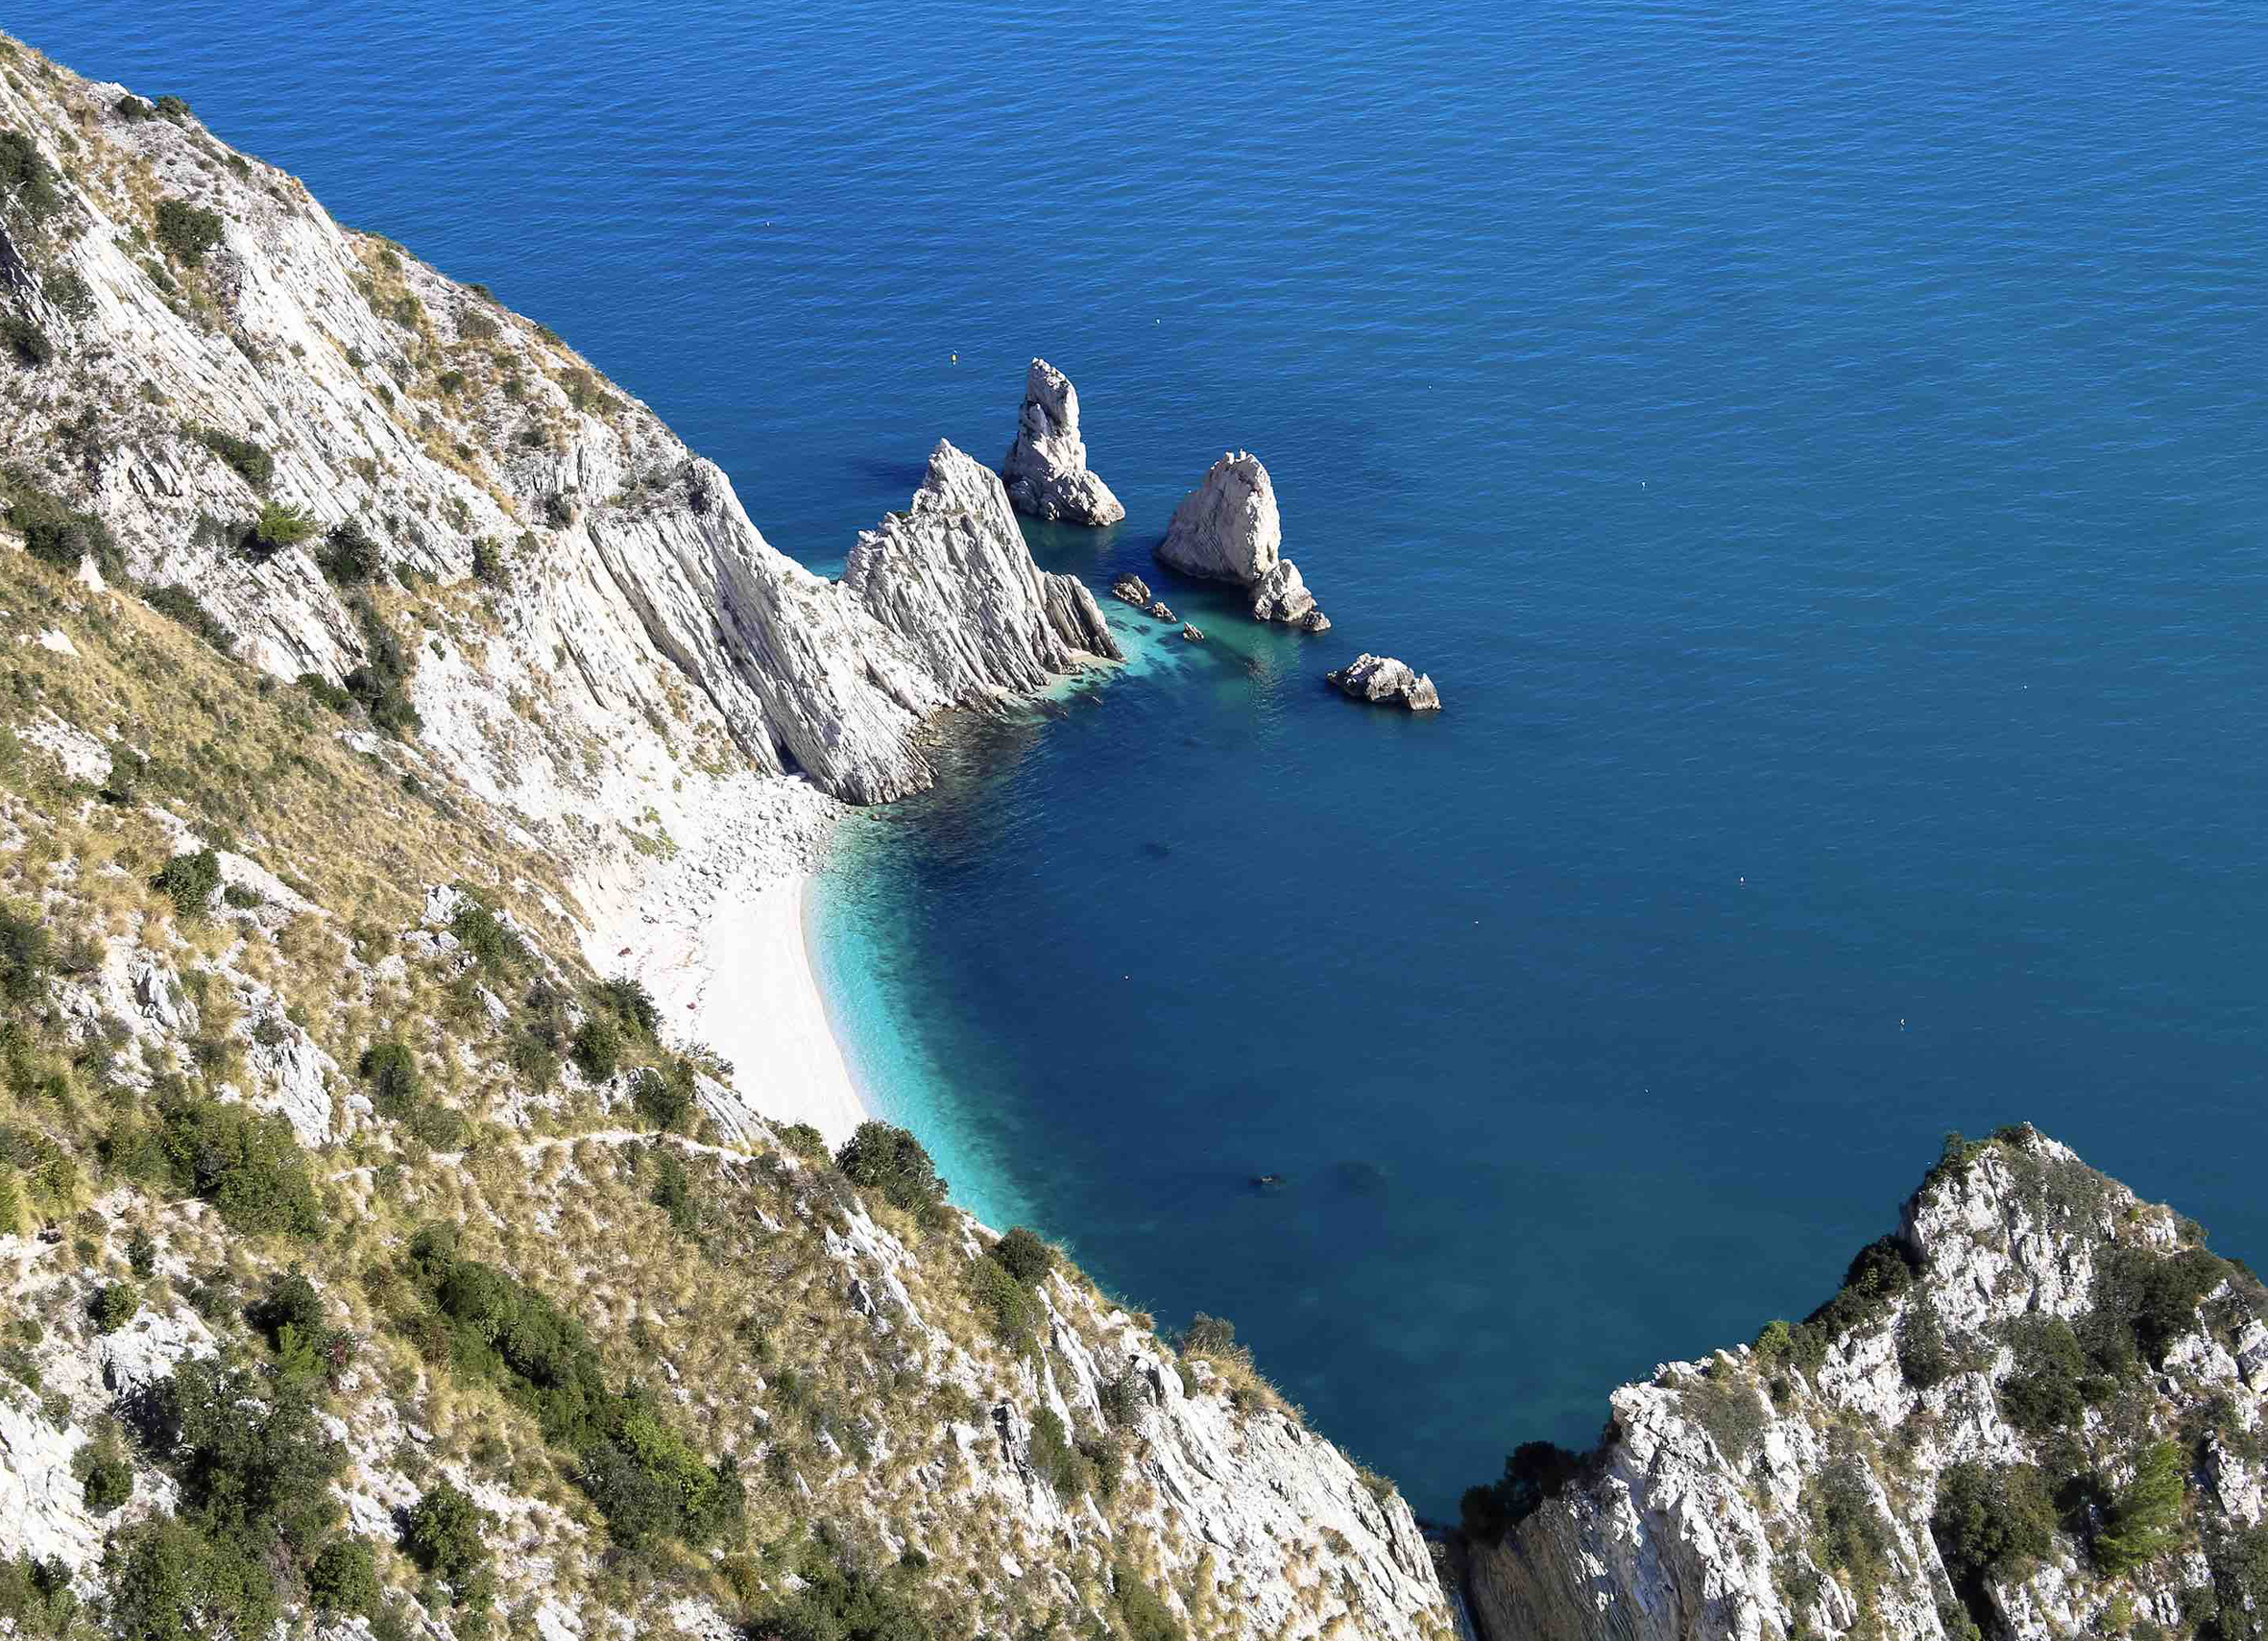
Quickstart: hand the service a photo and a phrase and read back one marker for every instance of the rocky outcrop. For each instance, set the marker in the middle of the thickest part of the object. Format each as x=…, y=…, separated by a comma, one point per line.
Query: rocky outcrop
x=1046, y=468
x=1381, y=679
x=1229, y=529
x=1131, y=589
x=1159, y=610
x=2032, y=1331
x=951, y=578
x=296, y=364
x=1192, y=634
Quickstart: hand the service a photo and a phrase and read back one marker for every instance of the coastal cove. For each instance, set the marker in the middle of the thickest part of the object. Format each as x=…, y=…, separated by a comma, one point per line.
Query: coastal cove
x=1817, y=455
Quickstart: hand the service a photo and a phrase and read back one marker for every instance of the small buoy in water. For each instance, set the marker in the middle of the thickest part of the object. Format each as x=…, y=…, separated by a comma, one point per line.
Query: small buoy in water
x=954, y=358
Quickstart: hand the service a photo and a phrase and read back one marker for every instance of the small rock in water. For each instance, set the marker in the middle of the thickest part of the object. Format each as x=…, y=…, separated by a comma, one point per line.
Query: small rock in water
x=1269, y=1182
x=1382, y=679
x=1159, y=612
x=1132, y=589
x=1192, y=634
x=1228, y=529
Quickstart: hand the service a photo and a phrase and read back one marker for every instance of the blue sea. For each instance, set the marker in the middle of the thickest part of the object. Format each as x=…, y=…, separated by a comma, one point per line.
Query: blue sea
x=1820, y=451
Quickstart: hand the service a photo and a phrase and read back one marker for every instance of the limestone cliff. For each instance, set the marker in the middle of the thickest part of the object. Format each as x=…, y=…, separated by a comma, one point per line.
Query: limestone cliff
x=213, y=346
x=2035, y=1411
x=952, y=577
x=381, y=1257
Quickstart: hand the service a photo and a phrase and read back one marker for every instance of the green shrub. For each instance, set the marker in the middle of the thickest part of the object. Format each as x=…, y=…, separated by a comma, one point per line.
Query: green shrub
x=345, y=1578
x=631, y=1004
x=804, y=1140
x=141, y=1254
x=1145, y=1616
x=487, y=937
x=131, y=108
x=1005, y=1303
x=251, y=460
x=598, y=1049
x=188, y=232
x=189, y=881
x=489, y=566
x=1208, y=1336
x=281, y=524
x=448, y=1533
x=67, y=290
x=113, y=1306
x=62, y=536
x=31, y=346
x=2145, y=1515
x=1055, y=1457
x=2053, y=1384
x=325, y=693
x=1534, y=1472
x=36, y=1595
x=888, y=1160
x=380, y=681
x=1121, y=1397
x=673, y=1192
x=248, y=1166
x=173, y=109
x=392, y=1071
x=350, y=557
x=841, y=1602
x=290, y=1303
x=27, y=182
x=104, y=1476
x=1026, y=1258
x=26, y=956
x=663, y=1102
x=1992, y=1521
x=176, y=603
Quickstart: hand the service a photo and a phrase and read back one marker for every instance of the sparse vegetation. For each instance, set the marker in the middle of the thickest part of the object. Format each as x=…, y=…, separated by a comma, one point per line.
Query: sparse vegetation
x=188, y=232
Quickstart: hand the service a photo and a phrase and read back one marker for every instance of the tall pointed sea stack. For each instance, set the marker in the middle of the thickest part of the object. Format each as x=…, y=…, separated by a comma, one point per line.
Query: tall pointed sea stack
x=952, y=577
x=1046, y=468
x=1228, y=529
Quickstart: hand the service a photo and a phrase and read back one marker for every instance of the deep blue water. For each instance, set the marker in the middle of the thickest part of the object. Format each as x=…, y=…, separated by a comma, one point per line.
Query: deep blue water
x=1817, y=448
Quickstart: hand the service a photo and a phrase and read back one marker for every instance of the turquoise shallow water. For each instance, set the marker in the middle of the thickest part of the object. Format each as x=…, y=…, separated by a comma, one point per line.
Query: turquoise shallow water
x=1817, y=450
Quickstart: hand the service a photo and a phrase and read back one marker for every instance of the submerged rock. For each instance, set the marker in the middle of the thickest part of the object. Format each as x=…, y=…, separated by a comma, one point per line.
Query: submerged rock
x=1382, y=679
x=1228, y=529
x=952, y=577
x=1046, y=468
x=1131, y=589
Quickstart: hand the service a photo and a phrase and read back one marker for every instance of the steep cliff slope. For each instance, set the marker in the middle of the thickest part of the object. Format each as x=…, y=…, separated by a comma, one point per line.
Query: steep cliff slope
x=371, y=1265
x=200, y=347
x=2035, y=1411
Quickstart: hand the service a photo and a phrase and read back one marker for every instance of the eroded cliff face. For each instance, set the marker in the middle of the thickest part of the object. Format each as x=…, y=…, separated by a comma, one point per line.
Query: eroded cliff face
x=1977, y=1436
x=463, y=439
x=291, y=982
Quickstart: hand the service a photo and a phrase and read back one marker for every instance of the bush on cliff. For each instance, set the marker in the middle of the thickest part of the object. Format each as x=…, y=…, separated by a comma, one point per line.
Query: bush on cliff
x=1993, y=1520
x=1534, y=1471
x=892, y=1163
x=188, y=232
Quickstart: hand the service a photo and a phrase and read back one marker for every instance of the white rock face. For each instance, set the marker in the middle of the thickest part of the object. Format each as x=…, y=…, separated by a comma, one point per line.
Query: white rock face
x=390, y=395
x=1683, y=1530
x=1228, y=529
x=952, y=578
x=1046, y=468
x=1381, y=677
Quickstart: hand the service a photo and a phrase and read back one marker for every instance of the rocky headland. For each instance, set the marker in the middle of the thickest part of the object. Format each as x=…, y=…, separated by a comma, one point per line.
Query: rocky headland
x=405, y=732
x=2034, y=1412
x=1229, y=529
x=1046, y=468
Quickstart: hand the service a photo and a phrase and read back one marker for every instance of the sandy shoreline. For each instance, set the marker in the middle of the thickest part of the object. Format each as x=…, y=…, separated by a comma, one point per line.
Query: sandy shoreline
x=718, y=937
x=760, y=1008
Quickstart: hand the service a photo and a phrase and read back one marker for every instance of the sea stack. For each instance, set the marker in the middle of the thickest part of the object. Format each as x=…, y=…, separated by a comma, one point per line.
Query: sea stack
x=1383, y=680
x=1228, y=529
x=952, y=576
x=1046, y=469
